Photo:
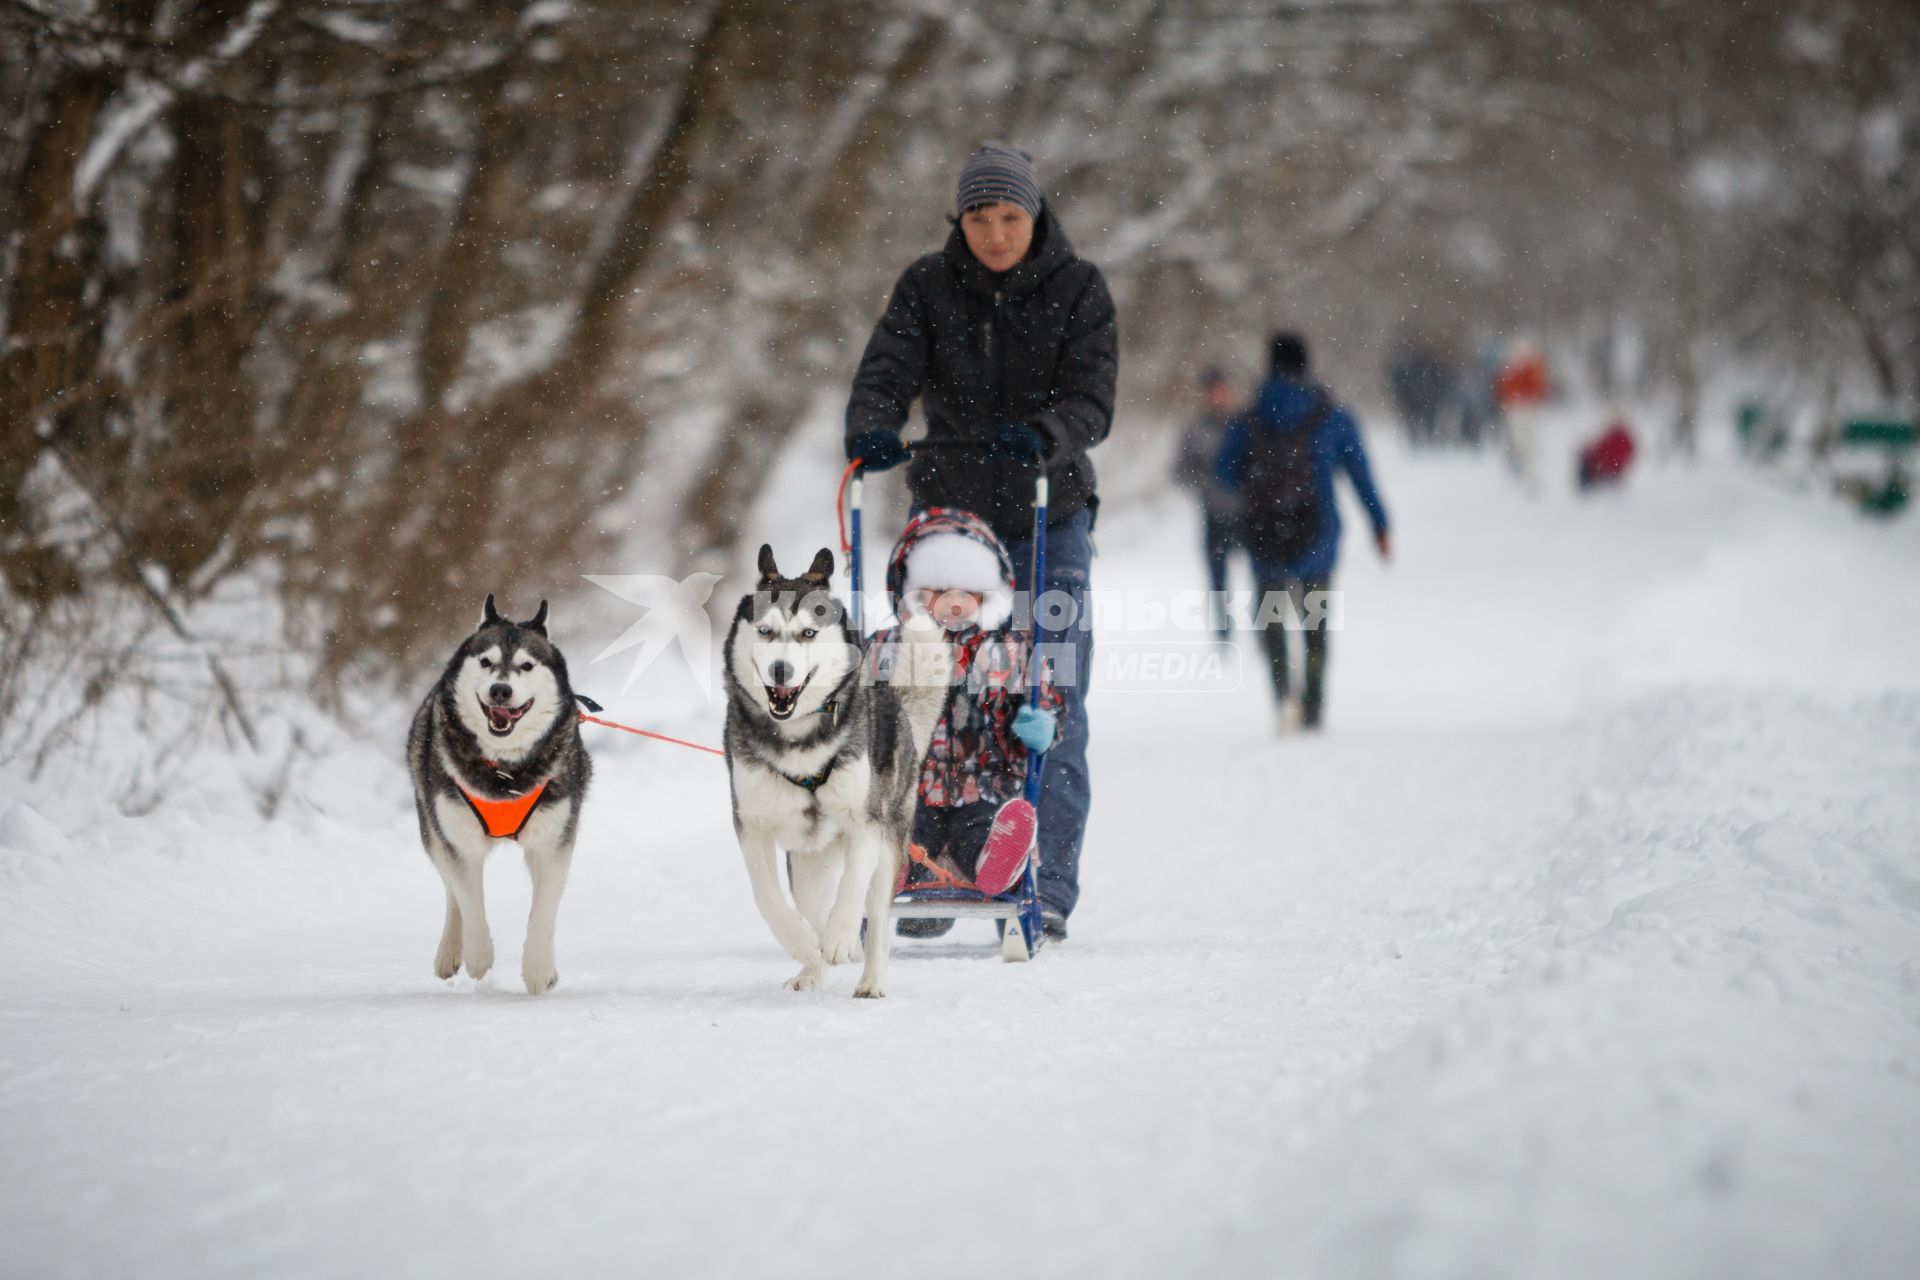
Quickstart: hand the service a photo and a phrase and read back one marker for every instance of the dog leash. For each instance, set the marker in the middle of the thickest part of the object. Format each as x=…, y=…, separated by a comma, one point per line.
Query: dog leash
x=840, y=507
x=591, y=705
x=648, y=733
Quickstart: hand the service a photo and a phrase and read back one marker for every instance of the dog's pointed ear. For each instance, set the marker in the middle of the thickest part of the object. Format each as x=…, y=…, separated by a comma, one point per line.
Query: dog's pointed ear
x=488, y=614
x=822, y=568
x=768, y=569
x=538, y=622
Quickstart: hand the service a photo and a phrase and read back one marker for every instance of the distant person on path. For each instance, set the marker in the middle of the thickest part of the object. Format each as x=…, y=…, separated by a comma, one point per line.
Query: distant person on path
x=1193, y=470
x=1478, y=407
x=1421, y=380
x=1605, y=459
x=1280, y=457
x=1522, y=388
x=1009, y=340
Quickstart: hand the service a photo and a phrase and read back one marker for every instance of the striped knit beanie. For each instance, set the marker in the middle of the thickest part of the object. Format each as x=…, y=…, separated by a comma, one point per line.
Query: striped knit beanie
x=998, y=174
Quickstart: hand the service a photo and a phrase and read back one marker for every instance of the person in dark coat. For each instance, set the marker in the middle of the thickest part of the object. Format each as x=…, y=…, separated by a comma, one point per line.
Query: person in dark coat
x=1193, y=469
x=1288, y=402
x=1421, y=380
x=1010, y=342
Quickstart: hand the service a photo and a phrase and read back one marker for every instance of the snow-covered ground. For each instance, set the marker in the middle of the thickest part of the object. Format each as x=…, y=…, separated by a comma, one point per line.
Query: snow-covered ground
x=1585, y=942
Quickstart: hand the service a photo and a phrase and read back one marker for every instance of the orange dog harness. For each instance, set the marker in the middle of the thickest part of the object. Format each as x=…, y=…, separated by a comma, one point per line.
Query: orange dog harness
x=504, y=819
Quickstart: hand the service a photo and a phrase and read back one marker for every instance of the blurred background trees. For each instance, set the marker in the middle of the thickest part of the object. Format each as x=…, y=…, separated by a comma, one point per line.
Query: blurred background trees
x=397, y=301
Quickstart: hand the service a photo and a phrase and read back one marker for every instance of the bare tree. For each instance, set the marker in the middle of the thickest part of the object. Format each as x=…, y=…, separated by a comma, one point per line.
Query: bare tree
x=386, y=306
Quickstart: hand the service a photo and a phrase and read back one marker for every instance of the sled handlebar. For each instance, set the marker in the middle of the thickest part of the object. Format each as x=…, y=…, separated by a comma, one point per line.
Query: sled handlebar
x=982, y=447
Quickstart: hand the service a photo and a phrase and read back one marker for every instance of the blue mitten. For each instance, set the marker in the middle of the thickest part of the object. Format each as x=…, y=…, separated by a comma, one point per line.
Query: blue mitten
x=877, y=450
x=1020, y=441
x=1035, y=727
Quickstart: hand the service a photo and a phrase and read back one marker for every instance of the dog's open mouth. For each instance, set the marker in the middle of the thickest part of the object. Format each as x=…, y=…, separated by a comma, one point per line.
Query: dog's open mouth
x=500, y=720
x=782, y=698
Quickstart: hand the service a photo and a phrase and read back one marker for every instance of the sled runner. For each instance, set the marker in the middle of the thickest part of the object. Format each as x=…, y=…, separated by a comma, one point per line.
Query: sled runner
x=943, y=894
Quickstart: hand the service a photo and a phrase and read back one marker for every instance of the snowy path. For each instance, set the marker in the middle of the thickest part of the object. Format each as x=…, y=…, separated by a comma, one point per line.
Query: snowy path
x=1586, y=942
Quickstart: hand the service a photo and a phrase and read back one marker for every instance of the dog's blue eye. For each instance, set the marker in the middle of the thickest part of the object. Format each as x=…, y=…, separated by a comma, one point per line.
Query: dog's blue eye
x=808, y=634
x=766, y=631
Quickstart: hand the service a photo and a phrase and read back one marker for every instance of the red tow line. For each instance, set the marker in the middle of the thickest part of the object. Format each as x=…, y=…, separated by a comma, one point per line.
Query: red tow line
x=648, y=733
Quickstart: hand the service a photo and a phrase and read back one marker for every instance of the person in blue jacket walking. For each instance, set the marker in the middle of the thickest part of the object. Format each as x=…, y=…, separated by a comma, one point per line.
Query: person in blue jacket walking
x=1279, y=458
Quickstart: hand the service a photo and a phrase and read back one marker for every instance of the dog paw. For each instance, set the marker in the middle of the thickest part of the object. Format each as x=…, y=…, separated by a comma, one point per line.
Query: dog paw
x=870, y=991
x=805, y=980
x=479, y=960
x=841, y=945
x=446, y=961
x=537, y=967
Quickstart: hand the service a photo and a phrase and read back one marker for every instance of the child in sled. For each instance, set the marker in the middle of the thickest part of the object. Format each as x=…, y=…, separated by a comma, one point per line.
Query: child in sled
x=974, y=827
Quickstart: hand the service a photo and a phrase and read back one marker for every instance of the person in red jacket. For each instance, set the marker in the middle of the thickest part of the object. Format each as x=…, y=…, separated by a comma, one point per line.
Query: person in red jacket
x=1524, y=382
x=1521, y=389
x=1605, y=459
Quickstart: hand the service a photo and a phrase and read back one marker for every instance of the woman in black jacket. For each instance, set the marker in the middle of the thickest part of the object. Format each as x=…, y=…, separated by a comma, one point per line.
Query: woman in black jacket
x=1009, y=339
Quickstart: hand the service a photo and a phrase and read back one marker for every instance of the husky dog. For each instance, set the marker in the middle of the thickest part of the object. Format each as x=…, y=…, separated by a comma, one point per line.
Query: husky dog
x=824, y=762
x=495, y=754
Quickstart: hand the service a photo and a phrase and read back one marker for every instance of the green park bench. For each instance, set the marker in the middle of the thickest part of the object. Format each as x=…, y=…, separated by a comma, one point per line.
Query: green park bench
x=1895, y=438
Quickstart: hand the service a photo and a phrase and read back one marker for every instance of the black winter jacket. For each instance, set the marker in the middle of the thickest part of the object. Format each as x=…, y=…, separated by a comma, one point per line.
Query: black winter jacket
x=1034, y=344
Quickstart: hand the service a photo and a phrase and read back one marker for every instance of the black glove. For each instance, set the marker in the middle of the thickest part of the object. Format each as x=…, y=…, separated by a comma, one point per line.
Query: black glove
x=877, y=450
x=1020, y=441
